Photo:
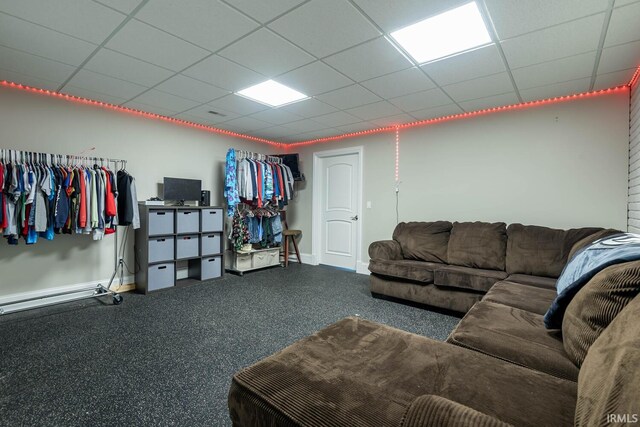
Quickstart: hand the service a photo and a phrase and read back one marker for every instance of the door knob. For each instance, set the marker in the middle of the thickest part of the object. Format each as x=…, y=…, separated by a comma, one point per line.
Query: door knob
x=354, y=218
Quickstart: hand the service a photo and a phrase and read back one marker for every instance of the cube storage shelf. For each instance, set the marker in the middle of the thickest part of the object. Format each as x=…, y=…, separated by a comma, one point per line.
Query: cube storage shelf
x=172, y=234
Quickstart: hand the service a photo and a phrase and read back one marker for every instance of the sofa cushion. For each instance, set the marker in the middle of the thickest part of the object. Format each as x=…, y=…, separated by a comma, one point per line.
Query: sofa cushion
x=596, y=305
x=467, y=278
x=530, y=298
x=541, y=251
x=423, y=241
x=609, y=381
x=418, y=271
x=385, y=249
x=514, y=335
x=478, y=245
x=586, y=241
x=360, y=373
x=537, y=281
x=431, y=410
x=448, y=298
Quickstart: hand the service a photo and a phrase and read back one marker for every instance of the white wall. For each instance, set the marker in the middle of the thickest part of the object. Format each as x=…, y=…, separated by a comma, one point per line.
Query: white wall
x=153, y=148
x=561, y=165
x=634, y=161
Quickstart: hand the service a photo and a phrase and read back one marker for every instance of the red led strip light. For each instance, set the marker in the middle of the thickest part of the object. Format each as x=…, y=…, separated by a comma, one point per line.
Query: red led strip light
x=463, y=115
x=136, y=112
x=634, y=78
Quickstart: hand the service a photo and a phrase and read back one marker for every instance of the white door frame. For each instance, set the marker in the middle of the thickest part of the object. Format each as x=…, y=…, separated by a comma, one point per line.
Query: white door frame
x=316, y=217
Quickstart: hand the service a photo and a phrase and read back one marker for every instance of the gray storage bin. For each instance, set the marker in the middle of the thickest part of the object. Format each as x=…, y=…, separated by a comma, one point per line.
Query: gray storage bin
x=211, y=220
x=211, y=268
x=211, y=244
x=187, y=246
x=160, y=222
x=161, y=249
x=188, y=221
x=161, y=276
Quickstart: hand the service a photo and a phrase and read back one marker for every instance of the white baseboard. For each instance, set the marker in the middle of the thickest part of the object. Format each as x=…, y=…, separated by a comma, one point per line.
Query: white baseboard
x=362, y=268
x=305, y=258
x=45, y=293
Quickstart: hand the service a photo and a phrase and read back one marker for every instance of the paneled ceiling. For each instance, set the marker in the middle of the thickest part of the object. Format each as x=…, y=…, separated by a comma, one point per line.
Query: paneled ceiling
x=186, y=58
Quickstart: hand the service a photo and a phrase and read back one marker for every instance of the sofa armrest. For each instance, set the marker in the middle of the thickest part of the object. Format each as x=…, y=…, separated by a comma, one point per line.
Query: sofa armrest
x=385, y=249
x=431, y=410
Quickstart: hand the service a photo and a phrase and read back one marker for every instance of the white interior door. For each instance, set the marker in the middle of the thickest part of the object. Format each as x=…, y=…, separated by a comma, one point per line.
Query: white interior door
x=339, y=210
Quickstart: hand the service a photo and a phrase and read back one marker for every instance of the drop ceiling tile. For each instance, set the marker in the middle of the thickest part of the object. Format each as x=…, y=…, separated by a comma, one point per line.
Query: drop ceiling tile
x=125, y=6
x=276, y=116
x=616, y=78
x=150, y=108
x=24, y=63
x=100, y=83
x=25, y=79
x=405, y=12
x=305, y=125
x=339, y=118
x=470, y=65
x=375, y=110
x=142, y=41
x=223, y=73
x=209, y=24
x=247, y=124
x=399, y=83
x=90, y=94
x=356, y=127
x=308, y=136
x=202, y=113
x=393, y=120
x=266, y=53
x=193, y=89
x=490, y=102
x=625, y=2
x=349, y=97
x=421, y=100
x=435, y=112
x=275, y=132
x=83, y=19
x=31, y=38
x=369, y=60
x=513, y=18
x=264, y=11
x=480, y=88
x=568, y=39
x=623, y=26
x=559, y=70
x=314, y=78
x=161, y=99
x=324, y=27
x=309, y=108
x=620, y=57
x=124, y=67
x=554, y=90
x=237, y=104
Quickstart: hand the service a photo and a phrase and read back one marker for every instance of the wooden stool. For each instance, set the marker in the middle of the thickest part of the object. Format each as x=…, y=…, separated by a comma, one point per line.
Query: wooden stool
x=289, y=234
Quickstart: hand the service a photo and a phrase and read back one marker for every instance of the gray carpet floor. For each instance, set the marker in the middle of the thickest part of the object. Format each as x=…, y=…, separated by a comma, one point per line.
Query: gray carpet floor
x=168, y=358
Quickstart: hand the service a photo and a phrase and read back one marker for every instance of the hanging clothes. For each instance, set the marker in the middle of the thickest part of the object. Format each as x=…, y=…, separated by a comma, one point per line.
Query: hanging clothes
x=128, y=212
x=230, y=182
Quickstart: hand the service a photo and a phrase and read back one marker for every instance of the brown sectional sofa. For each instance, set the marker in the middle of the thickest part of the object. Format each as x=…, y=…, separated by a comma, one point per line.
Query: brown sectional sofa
x=499, y=366
x=452, y=265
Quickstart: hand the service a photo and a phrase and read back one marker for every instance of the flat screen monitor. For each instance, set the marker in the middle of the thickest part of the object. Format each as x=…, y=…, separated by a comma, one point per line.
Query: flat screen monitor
x=181, y=189
x=292, y=160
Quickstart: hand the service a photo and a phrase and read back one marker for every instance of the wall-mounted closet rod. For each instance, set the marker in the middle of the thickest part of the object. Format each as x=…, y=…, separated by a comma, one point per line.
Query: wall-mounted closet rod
x=243, y=154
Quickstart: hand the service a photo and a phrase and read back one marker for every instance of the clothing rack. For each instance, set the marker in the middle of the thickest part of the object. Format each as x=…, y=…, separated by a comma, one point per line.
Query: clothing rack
x=242, y=154
x=99, y=290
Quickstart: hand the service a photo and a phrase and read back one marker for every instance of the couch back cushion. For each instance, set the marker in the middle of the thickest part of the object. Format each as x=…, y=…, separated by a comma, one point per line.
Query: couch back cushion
x=423, y=241
x=609, y=381
x=541, y=251
x=596, y=305
x=586, y=241
x=478, y=245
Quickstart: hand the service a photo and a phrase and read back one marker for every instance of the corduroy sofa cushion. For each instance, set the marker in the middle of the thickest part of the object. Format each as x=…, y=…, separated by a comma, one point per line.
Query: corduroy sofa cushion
x=423, y=241
x=431, y=410
x=541, y=251
x=609, y=382
x=596, y=305
x=475, y=279
x=537, y=281
x=529, y=298
x=586, y=241
x=478, y=245
x=417, y=271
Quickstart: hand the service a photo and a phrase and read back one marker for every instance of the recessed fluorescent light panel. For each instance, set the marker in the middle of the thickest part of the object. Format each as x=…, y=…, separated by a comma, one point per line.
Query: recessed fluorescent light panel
x=272, y=93
x=445, y=34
